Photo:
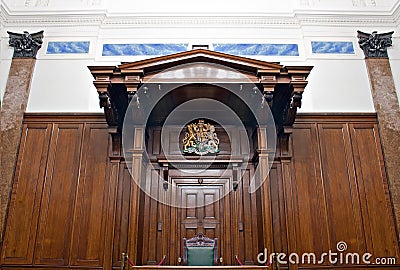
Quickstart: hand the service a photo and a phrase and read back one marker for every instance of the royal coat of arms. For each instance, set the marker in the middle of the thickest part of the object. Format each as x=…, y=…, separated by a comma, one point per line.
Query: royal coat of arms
x=200, y=139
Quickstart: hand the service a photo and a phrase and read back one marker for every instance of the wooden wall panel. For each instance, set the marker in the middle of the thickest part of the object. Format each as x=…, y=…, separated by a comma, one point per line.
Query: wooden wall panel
x=340, y=187
x=373, y=190
x=19, y=242
x=308, y=193
x=246, y=215
x=91, y=209
x=121, y=216
x=73, y=197
x=278, y=221
x=54, y=231
x=150, y=235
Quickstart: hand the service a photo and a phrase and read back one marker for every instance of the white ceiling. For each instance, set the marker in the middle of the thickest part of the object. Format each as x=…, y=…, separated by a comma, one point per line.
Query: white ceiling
x=226, y=13
x=216, y=7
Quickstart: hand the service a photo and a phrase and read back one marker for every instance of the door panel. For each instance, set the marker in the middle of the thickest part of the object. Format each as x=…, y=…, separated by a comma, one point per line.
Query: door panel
x=202, y=208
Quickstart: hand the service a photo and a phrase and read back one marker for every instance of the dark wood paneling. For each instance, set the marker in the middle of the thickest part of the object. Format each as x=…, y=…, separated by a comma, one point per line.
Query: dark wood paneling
x=75, y=206
x=373, y=190
x=91, y=209
x=120, y=234
x=54, y=235
x=18, y=247
x=340, y=187
x=308, y=193
x=278, y=221
x=247, y=227
x=150, y=218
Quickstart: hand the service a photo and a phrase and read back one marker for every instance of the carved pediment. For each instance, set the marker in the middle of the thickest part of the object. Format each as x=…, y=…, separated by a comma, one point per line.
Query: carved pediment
x=205, y=56
x=281, y=86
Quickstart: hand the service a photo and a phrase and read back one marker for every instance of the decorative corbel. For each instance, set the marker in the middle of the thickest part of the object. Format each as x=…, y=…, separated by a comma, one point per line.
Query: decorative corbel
x=298, y=83
x=291, y=110
x=104, y=100
x=105, y=103
x=131, y=95
x=268, y=80
x=269, y=97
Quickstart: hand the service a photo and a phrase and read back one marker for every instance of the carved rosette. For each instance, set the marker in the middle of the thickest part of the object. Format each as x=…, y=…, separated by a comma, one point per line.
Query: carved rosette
x=375, y=45
x=25, y=45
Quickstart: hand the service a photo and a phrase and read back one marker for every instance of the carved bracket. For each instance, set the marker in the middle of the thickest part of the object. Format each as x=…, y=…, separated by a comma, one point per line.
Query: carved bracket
x=291, y=109
x=115, y=101
x=269, y=97
x=109, y=112
x=283, y=90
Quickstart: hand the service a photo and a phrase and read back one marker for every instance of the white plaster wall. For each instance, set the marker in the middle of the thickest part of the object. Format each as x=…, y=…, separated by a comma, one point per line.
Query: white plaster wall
x=337, y=86
x=63, y=86
x=338, y=83
x=62, y=83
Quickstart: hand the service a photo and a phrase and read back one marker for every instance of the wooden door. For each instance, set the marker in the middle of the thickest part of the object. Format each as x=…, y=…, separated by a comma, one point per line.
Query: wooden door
x=201, y=210
x=201, y=203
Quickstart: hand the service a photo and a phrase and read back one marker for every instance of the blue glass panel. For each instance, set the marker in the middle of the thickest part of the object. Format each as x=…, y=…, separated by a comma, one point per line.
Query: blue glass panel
x=67, y=47
x=258, y=49
x=334, y=47
x=142, y=49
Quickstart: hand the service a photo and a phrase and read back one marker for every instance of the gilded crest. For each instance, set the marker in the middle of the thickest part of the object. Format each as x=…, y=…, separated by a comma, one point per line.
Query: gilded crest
x=200, y=139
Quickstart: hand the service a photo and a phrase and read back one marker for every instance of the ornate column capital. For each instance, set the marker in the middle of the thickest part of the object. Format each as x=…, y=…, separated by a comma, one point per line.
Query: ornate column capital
x=25, y=45
x=375, y=45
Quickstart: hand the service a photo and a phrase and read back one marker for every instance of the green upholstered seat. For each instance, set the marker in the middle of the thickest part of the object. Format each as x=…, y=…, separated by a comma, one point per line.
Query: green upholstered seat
x=200, y=256
x=200, y=251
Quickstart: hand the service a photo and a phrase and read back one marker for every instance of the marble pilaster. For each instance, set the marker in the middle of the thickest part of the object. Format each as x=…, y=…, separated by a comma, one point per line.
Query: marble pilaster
x=386, y=106
x=12, y=111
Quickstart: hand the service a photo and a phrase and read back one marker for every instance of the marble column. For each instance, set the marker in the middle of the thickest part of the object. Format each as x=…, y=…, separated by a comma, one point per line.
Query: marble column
x=12, y=111
x=386, y=106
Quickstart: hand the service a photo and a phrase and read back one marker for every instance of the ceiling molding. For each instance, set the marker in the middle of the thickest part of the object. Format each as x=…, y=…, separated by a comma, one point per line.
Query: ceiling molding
x=103, y=19
x=52, y=18
x=396, y=14
x=3, y=14
x=201, y=21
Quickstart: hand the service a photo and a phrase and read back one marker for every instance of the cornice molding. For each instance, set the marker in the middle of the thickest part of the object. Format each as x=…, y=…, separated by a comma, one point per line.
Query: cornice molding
x=201, y=20
x=3, y=14
x=108, y=20
x=396, y=13
x=52, y=18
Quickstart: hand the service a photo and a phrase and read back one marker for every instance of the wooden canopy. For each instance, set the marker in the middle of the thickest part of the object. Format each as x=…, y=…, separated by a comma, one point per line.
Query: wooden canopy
x=281, y=86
